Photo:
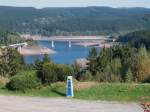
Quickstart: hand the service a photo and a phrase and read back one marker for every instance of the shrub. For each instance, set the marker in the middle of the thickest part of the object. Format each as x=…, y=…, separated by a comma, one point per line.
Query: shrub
x=63, y=71
x=147, y=80
x=53, y=72
x=23, y=81
x=141, y=68
x=129, y=76
x=48, y=73
x=84, y=76
x=11, y=62
x=3, y=80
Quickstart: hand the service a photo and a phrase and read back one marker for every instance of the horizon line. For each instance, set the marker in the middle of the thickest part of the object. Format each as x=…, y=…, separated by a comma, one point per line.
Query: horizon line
x=72, y=7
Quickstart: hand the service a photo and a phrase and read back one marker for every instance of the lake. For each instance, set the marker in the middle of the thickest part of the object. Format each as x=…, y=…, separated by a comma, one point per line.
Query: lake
x=63, y=55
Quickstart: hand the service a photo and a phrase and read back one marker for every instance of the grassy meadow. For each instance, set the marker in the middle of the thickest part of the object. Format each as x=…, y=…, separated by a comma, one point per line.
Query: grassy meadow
x=115, y=92
x=90, y=91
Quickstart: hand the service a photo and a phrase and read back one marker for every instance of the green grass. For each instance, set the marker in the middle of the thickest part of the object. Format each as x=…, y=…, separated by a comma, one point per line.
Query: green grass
x=105, y=91
x=49, y=91
x=115, y=92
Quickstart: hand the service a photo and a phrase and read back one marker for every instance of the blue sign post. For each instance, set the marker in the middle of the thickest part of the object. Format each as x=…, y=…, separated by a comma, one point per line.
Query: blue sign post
x=69, y=90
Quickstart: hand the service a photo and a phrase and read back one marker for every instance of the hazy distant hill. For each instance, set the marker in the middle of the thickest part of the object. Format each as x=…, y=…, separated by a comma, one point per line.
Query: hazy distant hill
x=76, y=21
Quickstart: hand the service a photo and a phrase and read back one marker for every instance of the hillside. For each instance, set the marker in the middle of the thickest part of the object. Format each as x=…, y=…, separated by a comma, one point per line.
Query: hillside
x=8, y=37
x=137, y=38
x=75, y=21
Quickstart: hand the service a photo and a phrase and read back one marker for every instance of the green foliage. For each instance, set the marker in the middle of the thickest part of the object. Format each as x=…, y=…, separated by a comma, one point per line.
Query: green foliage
x=64, y=71
x=104, y=91
x=10, y=62
x=46, y=58
x=92, y=58
x=48, y=72
x=75, y=21
x=141, y=68
x=115, y=92
x=39, y=64
x=129, y=76
x=24, y=81
x=137, y=38
x=93, y=53
x=7, y=37
x=86, y=76
x=53, y=73
x=121, y=64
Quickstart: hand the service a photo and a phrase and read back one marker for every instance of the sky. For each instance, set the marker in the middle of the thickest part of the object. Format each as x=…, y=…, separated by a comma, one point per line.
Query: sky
x=75, y=3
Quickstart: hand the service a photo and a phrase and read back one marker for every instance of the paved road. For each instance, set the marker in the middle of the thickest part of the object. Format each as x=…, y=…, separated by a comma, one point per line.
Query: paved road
x=30, y=104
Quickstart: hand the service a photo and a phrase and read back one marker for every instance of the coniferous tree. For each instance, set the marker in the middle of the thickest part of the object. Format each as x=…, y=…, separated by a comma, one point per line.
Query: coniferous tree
x=92, y=65
x=129, y=76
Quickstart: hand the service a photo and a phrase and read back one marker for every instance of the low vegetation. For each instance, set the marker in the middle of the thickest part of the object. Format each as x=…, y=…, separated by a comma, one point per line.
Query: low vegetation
x=104, y=91
x=115, y=92
x=24, y=81
x=49, y=72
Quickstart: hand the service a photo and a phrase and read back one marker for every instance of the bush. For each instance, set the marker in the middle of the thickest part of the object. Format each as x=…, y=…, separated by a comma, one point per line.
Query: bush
x=53, y=72
x=129, y=76
x=48, y=73
x=23, y=81
x=63, y=71
x=147, y=80
x=3, y=80
x=11, y=62
x=84, y=76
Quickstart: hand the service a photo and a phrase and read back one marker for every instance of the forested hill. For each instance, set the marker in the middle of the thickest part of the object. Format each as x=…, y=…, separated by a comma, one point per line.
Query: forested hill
x=75, y=21
x=8, y=37
x=137, y=39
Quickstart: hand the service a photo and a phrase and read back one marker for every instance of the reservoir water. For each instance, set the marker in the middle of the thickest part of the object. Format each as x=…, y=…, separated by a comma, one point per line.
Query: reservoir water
x=63, y=55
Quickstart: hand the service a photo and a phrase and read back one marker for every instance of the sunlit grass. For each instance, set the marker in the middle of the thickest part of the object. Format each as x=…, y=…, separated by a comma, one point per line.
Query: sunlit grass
x=103, y=91
x=115, y=92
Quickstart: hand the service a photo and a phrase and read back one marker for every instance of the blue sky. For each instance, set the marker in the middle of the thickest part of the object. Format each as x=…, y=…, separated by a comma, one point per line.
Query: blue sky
x=75, y=3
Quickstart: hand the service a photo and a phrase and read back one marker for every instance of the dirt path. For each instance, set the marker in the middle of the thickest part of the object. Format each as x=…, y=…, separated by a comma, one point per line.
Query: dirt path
x=36, y=104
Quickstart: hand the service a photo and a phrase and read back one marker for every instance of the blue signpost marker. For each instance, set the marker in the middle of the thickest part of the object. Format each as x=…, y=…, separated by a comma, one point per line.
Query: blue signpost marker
x=69, y=91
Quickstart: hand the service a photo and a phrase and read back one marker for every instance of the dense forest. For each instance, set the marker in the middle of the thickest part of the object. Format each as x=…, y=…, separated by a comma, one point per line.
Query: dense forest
x=74, y=21
x=8, y=37
x=136, y=39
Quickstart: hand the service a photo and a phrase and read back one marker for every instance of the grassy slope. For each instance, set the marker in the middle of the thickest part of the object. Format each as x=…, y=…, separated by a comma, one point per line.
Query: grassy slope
x=117, y=92
x=110, y=92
